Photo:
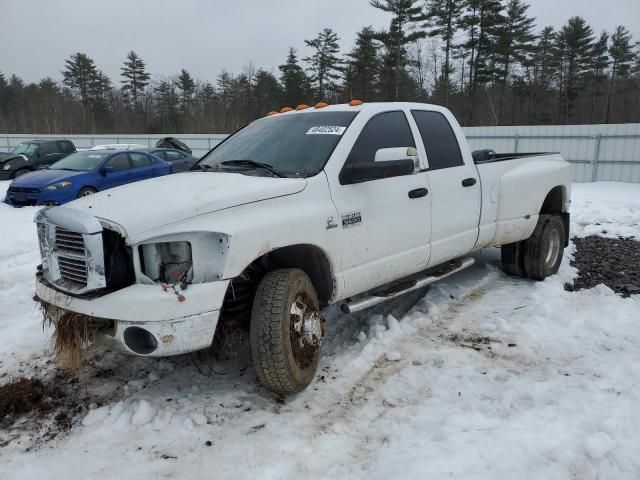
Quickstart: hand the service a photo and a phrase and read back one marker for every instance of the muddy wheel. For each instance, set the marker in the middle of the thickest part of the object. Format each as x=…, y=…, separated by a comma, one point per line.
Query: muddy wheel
x=85, y=192
x=512, y=256
x=286, y=331
x=543, y=250
x=22, y=171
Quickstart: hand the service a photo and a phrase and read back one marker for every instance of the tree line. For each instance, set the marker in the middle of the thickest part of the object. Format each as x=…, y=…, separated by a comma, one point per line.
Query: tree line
x=486, y=60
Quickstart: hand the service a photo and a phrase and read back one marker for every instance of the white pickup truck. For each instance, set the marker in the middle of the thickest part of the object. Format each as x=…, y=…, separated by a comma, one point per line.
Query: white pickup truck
x=355, y=204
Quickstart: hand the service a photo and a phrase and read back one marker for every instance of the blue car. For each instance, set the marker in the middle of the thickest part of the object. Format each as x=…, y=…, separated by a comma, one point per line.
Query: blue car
x=82, y=174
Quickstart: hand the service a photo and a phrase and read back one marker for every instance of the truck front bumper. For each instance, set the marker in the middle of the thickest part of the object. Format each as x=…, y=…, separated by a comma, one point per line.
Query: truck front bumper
x=148, y=321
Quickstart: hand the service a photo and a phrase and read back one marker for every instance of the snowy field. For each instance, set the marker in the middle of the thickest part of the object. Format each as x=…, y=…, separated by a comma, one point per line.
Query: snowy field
x=484, y=377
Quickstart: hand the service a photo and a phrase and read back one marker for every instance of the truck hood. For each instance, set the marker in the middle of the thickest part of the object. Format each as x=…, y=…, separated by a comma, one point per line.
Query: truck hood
x=150, y=204
x=4, y=156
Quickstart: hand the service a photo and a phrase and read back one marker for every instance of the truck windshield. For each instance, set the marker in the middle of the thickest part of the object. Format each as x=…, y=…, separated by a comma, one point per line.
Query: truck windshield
x=292, y=145
x=81, y=161
x=25, y=148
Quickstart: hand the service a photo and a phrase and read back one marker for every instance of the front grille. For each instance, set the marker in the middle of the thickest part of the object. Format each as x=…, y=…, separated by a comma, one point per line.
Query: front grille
x=69, y=241
x=23, y=190
x=72, y=262
x=73, y=269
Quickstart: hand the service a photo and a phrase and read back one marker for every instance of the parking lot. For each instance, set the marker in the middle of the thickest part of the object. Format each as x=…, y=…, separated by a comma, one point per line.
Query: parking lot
x=530, y=379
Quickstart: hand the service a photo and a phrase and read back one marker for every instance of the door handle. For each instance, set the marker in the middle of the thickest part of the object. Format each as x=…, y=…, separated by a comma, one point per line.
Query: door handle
x=469, y=182
x=418, y=192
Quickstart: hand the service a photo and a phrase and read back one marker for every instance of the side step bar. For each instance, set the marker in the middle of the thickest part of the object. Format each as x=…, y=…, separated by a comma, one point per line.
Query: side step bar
x=369, y=300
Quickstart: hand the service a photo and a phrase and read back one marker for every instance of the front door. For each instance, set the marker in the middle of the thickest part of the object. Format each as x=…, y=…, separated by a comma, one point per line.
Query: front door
x=384, y=223
x=117, y=171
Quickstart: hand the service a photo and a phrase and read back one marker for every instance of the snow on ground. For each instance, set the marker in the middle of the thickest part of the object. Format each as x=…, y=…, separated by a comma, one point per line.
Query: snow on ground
x=485, y=376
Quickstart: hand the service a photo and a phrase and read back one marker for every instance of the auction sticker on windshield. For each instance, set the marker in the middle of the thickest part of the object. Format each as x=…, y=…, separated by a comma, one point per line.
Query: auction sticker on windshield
x=326, y=130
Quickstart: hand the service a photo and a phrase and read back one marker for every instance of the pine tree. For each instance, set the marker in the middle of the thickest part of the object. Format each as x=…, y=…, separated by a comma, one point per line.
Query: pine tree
x=166, y=101
x=444, y=17
x=295, y=83
x=394, y=80
x=599, y=64
x=573, y=56
x=325, y=63
x=514, y=40
x=100, y=92
x=135, y=77
x=266, y=92
x=187, y=87
x=481, y=21
x=363, y=67
x=80, y=75
x=621, y=52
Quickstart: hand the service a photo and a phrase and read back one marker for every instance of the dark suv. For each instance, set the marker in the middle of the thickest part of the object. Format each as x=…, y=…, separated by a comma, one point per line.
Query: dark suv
x=33, y=155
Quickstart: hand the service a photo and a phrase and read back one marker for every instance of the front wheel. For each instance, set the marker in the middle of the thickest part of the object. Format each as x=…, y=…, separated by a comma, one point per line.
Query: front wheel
x=544, y=249
x=85, y=192
x=286, y=331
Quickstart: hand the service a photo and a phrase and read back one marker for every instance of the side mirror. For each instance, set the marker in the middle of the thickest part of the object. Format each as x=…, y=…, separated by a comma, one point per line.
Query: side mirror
x=107, y=169
x=395, y=153
x=363, y=172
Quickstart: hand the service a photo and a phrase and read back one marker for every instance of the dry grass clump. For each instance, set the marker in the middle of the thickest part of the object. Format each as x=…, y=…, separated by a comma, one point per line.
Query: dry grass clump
x=72, y=334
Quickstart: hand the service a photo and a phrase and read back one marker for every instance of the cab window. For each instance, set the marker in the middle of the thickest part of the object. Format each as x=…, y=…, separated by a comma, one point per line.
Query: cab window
x=386, y=130
x=47, y=148
x=440, y=142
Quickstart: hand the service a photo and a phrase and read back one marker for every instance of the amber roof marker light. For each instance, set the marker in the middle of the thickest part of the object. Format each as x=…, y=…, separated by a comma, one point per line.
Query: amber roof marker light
x=272, y=113
x=321, y=105
x=355, y=103
x=286, y=109
x=302, y=107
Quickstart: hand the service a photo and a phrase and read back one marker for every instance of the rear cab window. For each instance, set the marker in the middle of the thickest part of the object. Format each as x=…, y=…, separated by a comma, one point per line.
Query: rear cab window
x=440, y=142
x=48, y=147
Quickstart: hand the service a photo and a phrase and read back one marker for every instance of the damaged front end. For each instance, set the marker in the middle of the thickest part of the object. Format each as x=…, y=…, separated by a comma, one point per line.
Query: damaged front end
x=80, y=256
x=94, y=286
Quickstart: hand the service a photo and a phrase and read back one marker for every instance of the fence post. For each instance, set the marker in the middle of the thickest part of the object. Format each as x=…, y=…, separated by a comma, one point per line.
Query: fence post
x=516, y=140
x=209, y=142
x=594, y=161
x=8, y=146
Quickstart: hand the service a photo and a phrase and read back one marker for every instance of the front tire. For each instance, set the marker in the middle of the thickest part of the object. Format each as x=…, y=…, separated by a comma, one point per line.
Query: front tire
x=544, y=249
x=286, y=331
x=85, y=192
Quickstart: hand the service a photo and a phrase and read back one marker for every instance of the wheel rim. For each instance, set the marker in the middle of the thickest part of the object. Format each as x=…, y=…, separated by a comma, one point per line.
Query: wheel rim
x=86, y=193
x=306, y=331
x=554, y=248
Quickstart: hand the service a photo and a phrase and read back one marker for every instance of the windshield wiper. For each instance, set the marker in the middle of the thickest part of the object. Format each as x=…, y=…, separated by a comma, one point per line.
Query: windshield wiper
x=252, y=164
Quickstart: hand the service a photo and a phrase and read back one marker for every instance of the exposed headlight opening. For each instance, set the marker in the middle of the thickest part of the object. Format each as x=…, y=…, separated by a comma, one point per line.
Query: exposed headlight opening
x=167, y=262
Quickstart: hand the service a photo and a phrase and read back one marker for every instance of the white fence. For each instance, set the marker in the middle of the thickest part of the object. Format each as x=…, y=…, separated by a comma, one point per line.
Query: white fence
x=597, y=152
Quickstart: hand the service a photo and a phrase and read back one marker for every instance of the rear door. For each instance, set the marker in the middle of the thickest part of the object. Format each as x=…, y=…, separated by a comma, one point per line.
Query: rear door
x=455, y=189
x=384, y=223
x=143, y=166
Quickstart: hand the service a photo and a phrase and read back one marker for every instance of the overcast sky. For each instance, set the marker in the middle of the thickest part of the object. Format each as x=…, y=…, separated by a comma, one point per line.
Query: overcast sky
x=205, y=36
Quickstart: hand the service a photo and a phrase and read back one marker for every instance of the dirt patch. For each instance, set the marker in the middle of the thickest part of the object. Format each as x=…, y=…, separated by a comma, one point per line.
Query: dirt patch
x=26, y=395
x=42, y=408
x=614, y=262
